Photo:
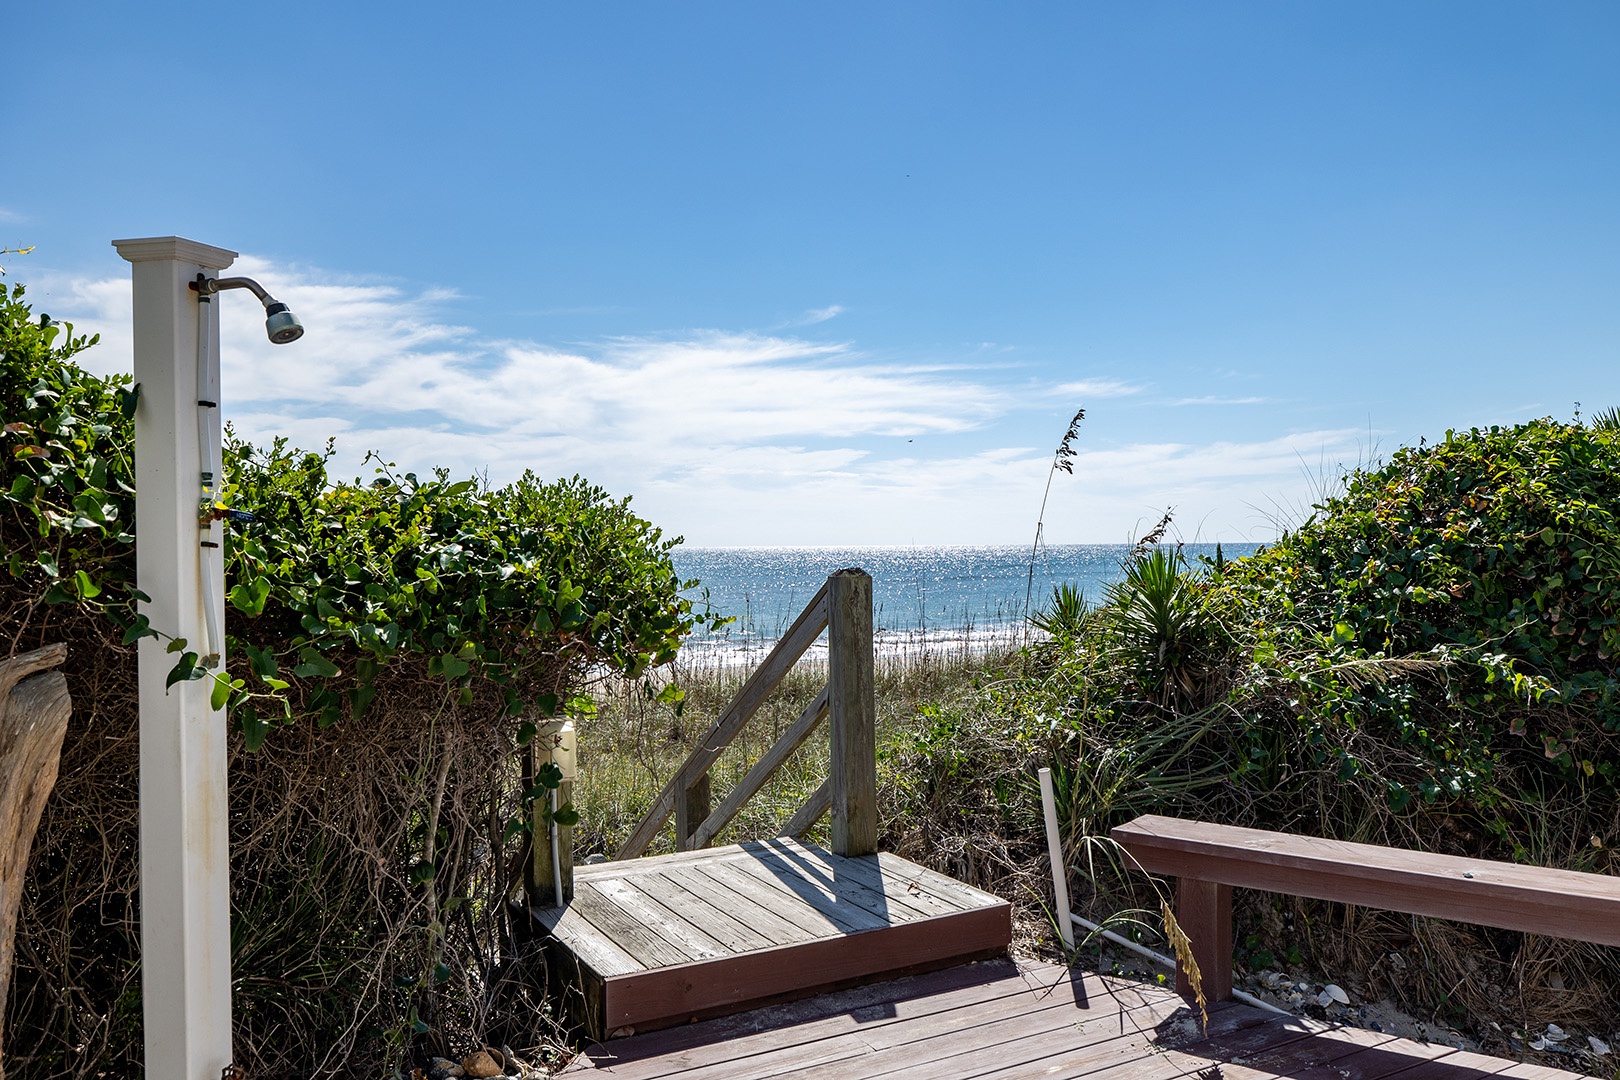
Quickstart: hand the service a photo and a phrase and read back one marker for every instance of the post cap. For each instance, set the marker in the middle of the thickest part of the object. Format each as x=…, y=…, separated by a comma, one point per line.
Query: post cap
x=174, y=249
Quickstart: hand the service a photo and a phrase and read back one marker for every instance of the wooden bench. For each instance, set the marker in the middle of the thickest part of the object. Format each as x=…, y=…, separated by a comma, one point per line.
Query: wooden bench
x=1209, y=860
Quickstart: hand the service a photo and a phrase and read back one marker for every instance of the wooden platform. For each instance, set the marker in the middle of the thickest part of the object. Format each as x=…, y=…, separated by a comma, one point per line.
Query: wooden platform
x=1001, y=1020
x=657, y=941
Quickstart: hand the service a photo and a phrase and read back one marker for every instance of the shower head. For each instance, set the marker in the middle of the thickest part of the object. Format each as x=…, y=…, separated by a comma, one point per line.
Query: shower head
x=280, y=324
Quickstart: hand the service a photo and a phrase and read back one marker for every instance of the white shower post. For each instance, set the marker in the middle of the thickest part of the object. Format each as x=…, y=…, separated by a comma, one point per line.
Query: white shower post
x=185, y=855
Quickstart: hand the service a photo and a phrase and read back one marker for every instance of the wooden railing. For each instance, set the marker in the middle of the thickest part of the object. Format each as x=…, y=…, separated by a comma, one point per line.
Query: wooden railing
x=1208, y=860
x=843, y=607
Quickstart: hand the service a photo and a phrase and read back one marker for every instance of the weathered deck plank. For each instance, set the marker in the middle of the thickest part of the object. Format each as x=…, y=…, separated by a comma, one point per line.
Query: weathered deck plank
x=1003, y=1020
x=623, y=929
x=726, y=927
x=770, y=924
x=675, y=927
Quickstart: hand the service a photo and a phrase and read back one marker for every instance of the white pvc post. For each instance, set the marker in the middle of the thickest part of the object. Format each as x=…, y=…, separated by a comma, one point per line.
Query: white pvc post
x=185, y=856
x=1054, y=851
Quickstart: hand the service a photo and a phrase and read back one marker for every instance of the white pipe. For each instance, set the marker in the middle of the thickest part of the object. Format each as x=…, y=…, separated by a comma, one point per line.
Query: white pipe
x=1165, y=961
x=556, y=851
x=1054, y=851
x=210, y=559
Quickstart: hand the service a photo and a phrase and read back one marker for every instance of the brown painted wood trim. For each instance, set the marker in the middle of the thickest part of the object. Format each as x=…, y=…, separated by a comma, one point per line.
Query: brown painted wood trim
x=1541, y=900
x=677, y=993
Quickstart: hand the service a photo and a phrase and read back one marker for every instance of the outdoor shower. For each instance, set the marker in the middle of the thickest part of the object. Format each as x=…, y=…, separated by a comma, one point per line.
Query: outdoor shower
x=282, y=327
x=280, y=324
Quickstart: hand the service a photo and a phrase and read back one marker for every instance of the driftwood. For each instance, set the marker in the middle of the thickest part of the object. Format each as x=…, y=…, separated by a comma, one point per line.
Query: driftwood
x=34, y=712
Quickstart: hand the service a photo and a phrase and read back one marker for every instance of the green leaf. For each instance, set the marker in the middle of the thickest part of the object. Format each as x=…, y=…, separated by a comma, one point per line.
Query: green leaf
x=221, y=692
x=138, y=628
x=263, y=661
x=128, y=400
x=526, y=732
x=249, y=598
x=85, y=587
x=314, y=664
x=423, y=872
x=183, y=670
x=254, y=729
x=359, y=698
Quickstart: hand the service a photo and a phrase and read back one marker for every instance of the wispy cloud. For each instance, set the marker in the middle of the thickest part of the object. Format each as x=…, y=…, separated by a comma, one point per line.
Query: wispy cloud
x=729, y=436
x=1097, y=388
x=1214, y=400
x=818, y=315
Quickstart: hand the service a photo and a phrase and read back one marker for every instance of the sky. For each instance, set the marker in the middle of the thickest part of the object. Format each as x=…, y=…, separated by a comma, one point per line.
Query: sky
x=803, y=274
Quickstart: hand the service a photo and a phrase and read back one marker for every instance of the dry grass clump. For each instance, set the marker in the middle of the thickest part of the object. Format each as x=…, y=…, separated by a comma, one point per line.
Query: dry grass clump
x=633, y=744
x=952, y=779
x=337, y=949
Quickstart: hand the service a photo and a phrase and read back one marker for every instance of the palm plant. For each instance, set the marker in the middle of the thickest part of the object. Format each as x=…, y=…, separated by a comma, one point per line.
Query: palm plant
x=1063, y=619
x=1605, y=420
x=1165, y=629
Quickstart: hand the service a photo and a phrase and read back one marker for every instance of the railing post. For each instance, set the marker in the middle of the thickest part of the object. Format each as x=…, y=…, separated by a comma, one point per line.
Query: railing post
x=853, y=707
x=1204, y=910
x=692, y=810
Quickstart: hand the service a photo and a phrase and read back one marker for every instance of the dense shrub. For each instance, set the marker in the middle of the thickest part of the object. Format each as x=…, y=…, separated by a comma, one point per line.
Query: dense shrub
x=1428, y=661
x=391, y=646
x=1489, y=566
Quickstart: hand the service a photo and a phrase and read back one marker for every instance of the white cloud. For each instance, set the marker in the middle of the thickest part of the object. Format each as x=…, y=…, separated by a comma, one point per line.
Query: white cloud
x=1212, y=400
x=818, y=315
x=730, y=437
x=1097, y=388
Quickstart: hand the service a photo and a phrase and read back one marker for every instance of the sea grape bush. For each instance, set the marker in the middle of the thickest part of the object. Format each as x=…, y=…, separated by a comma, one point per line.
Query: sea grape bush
x=1495, y=554
x=528, y=586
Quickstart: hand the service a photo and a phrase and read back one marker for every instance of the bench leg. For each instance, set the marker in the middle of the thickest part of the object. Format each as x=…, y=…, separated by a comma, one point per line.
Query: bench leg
x=1204, y=910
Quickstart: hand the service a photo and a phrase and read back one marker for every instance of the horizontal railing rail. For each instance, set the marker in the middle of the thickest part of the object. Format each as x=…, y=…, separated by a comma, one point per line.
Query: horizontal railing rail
x=1208, y=860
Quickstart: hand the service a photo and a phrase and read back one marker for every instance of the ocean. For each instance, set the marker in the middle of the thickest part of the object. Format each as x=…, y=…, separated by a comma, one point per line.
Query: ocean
x=933, y=596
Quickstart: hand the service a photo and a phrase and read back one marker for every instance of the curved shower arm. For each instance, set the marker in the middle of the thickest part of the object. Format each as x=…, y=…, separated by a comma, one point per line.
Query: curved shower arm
x=209, y=286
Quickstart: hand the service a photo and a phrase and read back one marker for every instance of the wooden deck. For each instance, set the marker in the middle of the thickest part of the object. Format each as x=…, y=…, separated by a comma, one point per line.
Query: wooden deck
x=1004, y=1020
x=658, y=941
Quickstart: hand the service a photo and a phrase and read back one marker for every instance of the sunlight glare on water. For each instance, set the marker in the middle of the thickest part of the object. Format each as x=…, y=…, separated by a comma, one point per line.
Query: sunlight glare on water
x=935, y=594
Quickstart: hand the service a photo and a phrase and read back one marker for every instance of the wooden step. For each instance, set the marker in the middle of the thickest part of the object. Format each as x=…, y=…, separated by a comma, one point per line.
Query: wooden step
x=648, y=943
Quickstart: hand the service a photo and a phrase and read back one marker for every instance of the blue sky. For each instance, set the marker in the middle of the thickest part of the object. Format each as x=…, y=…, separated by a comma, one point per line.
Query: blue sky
x=839, y=273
